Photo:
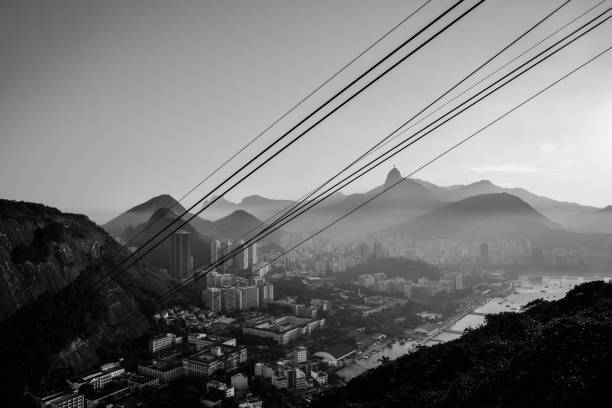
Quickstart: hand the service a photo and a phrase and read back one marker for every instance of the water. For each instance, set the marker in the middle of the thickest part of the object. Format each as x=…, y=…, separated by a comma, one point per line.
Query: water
x=552, y=288
x=393, y=351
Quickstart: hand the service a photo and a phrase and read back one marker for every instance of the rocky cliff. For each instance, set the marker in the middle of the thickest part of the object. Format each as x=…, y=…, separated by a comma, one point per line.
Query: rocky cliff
x=50, y=305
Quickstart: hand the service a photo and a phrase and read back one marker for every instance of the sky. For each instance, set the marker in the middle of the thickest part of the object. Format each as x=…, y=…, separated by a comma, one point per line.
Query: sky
x=104, y=104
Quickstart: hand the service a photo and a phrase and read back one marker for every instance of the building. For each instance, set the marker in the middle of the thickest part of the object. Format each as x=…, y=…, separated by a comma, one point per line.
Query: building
x=217, y=388
x=241, y=259
x=226, y=249
x=253, y=255
x=459, y=282
x=240, y=382
x=266, y=293
x=163, y=341
x=484, y=253
x=283, y=329
x=247, y=297
x=378, y=250
x=111, y=393
x=320, y=267
x=366, y=280
x=228, y=300
x=296, y=379
x=321, y=305
x=139, y=382
x=379, y=276
x=165, y=370
x=300, y=355
x=263, y=370
x=215, y=358
x=203, y=340
x=182, y=262
x=98, y=379
x=306, y=311
x=212, y=299
x=251, y=403
x=215, y=250
x=319, y=376
x=280, y=381
x=58, y=399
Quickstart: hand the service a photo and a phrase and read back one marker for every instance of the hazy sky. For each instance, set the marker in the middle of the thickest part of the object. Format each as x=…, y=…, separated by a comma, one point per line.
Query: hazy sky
x=104, y=104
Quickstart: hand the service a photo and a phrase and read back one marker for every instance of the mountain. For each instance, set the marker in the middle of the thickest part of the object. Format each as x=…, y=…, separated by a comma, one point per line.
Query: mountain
x=219, y=209
x=482, y=217
x=141, y=213
x=401, y=202
x=161, y=255
x=559, y=211
x=124, y=224
x=598, y=220
x=553, y=354
x=238, y=224
x=50, y=262
x=260, y=207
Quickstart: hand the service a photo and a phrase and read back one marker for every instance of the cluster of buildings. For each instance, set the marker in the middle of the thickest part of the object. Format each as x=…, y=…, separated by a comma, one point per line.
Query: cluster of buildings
x=212, y=353
x=108, y=385
x=422, y=289
x=244, y=259
x=296, y=374
x=503, y=252
x=226, y=293
x=182, y=263
x=323, y=256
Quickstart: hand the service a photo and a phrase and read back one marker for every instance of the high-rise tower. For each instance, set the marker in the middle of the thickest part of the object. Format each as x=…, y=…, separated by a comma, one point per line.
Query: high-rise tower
x=181, y=255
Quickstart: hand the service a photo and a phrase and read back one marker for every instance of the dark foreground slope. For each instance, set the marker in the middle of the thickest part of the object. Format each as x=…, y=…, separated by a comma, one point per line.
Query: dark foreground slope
x=555, y=354
x=50, y=262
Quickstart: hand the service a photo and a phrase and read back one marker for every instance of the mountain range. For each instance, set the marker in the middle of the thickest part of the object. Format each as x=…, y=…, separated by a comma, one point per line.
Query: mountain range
x=407, y=200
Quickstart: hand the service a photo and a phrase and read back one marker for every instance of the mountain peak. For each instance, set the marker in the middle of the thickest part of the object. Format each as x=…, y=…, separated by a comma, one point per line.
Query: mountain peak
x=482, y=183
x=160, y=201
x=393, y=176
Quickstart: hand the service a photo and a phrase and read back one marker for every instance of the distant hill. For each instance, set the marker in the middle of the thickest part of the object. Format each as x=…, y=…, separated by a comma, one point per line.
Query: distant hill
x=559, y=211
x=482, y=217
x=490, y=217
x=141, y=213
x=260, y=207
x=554, y=354
x=238, y=224
x=161, y=256
x=595, y=220
x=124, y=224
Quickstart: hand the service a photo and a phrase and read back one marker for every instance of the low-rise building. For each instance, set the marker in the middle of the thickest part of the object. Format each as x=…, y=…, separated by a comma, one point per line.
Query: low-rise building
x=96, y=378
x=57, y=399
x=166, y=371
x=283, y=329
x=206, y=362
x=163, y=341
x=218, y=388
